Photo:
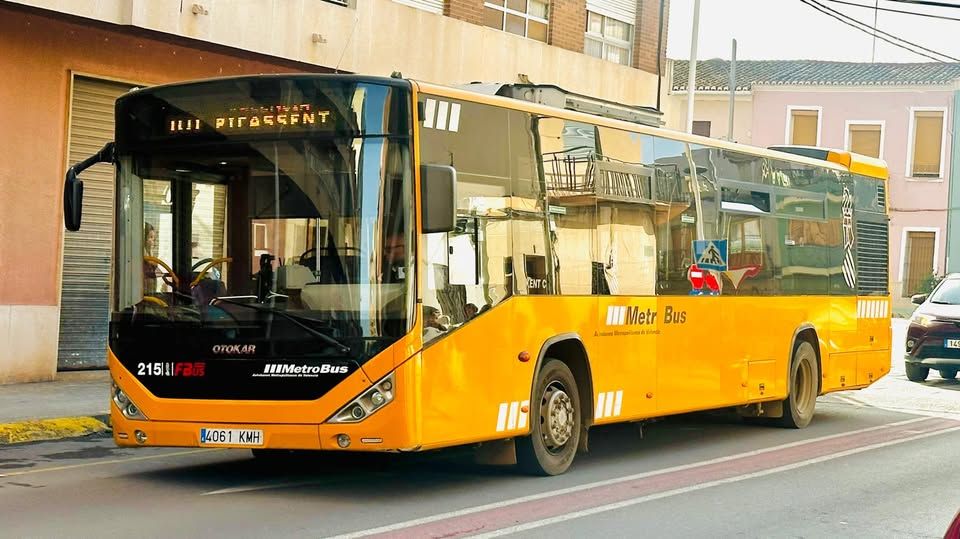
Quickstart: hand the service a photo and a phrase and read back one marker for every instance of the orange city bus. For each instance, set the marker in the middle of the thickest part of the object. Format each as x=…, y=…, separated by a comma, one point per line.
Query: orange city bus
x=339, y=262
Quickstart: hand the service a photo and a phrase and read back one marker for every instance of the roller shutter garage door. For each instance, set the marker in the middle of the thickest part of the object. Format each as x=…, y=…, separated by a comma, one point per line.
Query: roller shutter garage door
x=87, y=254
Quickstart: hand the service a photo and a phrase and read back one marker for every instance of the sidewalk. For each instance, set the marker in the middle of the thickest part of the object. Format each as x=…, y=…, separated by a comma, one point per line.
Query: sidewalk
x=75, y=404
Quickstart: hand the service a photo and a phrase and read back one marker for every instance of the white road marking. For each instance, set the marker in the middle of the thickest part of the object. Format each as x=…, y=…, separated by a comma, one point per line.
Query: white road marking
x=702, y=486
x=616, y=480
x=111, y=461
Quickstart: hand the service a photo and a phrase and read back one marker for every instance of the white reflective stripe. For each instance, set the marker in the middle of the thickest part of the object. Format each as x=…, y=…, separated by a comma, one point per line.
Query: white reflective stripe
x=876, y=309
x=512, y=422
x=621, y=315
x=431, y=109
x=455, y=117
x=608, y=411
x=609, y=316
x=599, y=412
x=886, y=309
x=617, y=403
x=442, y=114
x=523, y=415
x=502, y=417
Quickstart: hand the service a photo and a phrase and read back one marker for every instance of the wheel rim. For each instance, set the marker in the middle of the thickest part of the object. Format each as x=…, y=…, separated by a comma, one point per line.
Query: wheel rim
x=803, y=386
x=556, y=417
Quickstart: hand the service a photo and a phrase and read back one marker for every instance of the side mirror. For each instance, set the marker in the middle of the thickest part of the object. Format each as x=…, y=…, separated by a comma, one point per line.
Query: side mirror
x=72, y=201
x=918, y=298
x=73, y=187
x=438, y=198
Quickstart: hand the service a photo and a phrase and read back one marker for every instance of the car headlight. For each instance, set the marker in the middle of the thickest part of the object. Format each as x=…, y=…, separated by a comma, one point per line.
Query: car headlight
x=923, y=319
x=367, y=403
x=123, y=402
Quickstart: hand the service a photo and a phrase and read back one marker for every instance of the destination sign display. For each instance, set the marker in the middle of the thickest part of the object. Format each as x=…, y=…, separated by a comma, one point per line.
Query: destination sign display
x=252, y=119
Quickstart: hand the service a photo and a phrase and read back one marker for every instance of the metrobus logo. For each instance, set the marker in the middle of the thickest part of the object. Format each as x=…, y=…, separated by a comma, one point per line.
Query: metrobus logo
x=630, y=316
x=294, y=370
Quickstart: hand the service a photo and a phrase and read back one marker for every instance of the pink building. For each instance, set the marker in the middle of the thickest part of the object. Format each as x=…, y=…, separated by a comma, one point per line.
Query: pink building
x=901, y=113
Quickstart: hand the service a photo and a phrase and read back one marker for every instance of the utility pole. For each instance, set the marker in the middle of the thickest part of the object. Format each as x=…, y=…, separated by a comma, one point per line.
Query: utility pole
x=692, y=81
x=733, y=89
x=876, y=11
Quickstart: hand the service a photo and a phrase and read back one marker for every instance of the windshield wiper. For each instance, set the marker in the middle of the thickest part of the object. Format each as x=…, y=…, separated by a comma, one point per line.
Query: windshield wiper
x=298, y=320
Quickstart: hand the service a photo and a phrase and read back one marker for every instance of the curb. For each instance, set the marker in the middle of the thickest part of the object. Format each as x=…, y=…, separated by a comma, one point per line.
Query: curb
x=36, y=430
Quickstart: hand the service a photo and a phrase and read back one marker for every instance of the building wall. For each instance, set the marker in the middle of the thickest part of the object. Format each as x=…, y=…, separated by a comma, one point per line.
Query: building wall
x=714, y=108
x=435, y=48
x=568, y=20
x=914, y=203
x=465, y=10
x=647, y=30
x=40, y=53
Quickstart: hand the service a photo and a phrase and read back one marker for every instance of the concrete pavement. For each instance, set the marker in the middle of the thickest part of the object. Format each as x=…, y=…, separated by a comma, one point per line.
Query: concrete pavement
x=76, y=404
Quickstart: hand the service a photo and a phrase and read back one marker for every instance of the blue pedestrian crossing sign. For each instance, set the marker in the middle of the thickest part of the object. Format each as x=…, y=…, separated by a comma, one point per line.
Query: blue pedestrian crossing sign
x=710, y=254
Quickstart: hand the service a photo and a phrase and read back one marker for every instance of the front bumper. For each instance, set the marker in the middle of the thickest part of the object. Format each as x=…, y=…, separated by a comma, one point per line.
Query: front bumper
x=933, y=362
x=364, y=436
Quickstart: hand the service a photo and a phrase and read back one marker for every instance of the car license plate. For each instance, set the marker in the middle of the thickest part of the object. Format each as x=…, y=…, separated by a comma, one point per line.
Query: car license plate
x=951, y=343
x=231, y=437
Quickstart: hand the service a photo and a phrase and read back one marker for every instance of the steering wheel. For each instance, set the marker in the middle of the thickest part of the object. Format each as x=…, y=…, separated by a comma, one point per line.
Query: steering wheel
x=212, y=262
x=170, y=277
x=155, y=300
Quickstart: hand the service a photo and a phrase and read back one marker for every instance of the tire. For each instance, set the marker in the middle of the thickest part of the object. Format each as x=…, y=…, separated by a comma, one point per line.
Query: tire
x=948, y=374
x=555, y=422
x=916, y=373
x=801, y=401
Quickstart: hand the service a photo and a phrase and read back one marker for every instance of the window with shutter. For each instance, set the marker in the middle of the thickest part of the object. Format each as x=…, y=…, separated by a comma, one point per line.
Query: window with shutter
x=927, y=143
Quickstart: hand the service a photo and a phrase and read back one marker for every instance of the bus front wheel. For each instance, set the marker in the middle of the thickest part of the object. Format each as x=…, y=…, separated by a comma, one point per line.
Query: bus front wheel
x=804, y=380
x=555, y=422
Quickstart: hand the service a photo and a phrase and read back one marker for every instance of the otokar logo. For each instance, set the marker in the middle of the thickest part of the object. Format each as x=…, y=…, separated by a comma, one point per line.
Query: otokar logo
x=292, y=370
x=235, y=349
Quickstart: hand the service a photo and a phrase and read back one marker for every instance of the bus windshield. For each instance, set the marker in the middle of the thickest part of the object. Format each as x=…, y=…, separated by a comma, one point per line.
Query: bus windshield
x=274, y=211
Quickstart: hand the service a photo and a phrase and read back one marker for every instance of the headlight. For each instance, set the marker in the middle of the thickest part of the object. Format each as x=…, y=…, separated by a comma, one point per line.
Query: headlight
x=923, y=319
x=367, y=403
x=124, y=404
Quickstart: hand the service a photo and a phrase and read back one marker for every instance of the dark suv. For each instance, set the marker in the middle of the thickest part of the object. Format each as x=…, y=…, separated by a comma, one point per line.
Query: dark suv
x=933, y=339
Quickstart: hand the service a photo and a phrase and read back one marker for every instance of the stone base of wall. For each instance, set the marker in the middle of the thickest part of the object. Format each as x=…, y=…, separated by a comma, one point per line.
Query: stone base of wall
x=29, y=336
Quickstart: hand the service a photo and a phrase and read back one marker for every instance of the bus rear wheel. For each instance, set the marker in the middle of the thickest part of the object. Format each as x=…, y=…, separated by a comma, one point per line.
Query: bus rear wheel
x=804, y=380
x=555, y=422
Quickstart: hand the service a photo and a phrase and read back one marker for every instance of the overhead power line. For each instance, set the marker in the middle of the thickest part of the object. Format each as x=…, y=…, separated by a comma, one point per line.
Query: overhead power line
x=871, y=29
x=927, y=3
x=880, y=34
x=892, y=10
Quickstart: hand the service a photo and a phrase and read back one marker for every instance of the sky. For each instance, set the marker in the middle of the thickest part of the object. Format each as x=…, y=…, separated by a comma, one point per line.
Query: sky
x=792, y=30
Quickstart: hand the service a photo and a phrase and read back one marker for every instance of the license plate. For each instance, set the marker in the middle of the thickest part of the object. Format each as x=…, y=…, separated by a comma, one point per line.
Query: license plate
x=231, y=437
x=951, y=343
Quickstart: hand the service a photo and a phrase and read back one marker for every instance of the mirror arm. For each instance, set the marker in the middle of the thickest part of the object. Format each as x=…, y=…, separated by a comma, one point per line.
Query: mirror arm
x=107, y=154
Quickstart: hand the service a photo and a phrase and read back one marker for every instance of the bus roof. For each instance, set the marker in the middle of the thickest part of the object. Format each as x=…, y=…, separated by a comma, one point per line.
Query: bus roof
x=832, y=159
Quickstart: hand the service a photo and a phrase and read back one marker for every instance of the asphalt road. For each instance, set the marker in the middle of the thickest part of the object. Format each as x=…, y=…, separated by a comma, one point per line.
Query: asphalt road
x=877, y=463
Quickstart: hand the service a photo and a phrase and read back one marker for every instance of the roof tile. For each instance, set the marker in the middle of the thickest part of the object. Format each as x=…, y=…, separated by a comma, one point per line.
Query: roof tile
x=715, y=74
